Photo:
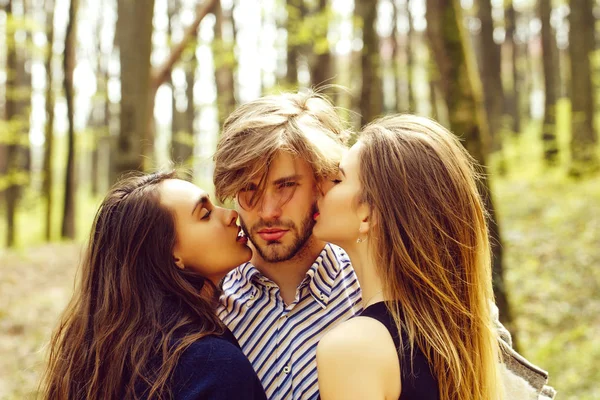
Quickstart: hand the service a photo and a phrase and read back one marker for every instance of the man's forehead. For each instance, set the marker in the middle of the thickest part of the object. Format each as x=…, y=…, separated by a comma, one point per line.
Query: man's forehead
x=284, y=165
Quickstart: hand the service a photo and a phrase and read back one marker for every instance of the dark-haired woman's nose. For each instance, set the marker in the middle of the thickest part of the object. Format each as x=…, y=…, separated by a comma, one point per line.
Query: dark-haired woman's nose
x=231, y=217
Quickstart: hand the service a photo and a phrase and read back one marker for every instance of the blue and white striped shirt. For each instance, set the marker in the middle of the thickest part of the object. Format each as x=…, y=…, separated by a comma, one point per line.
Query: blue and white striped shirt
x=281, y=340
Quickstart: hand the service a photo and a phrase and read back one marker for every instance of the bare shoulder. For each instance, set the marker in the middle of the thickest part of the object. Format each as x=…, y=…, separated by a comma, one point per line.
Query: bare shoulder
x=358, y=334
x=358, y=357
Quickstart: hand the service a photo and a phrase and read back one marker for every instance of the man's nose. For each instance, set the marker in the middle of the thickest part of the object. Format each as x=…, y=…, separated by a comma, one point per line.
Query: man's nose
x=269, y=207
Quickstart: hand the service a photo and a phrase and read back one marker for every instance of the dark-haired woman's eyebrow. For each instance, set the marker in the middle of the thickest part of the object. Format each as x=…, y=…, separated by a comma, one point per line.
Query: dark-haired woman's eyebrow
x=201, y=202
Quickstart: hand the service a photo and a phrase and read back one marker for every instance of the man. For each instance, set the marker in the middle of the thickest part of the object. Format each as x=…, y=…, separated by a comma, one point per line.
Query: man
x=272, y=158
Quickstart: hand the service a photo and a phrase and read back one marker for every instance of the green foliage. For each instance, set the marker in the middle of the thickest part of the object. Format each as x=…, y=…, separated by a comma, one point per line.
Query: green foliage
x=31, y=214
x=550, y=233
x=311, y=30
x=184, y=138
x=13, y=131
x=16, y=23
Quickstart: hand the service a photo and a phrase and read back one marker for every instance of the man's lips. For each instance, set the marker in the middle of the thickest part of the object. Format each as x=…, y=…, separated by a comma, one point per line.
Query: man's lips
x=272, y=234
x=316, y=215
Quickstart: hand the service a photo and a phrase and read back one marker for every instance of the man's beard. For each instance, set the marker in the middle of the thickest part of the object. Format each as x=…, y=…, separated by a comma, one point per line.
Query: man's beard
x=273, y=252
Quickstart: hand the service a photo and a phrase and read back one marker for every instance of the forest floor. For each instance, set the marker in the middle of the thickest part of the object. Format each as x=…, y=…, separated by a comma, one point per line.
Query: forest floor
x=551, y=239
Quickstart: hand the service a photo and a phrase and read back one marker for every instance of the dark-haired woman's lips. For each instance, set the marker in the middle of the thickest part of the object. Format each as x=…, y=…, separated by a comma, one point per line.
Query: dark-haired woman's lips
x=272, y=234
x=241, y=236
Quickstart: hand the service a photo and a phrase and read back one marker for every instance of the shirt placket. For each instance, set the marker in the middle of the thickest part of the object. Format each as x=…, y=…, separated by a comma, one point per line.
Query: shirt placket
x=285, y=379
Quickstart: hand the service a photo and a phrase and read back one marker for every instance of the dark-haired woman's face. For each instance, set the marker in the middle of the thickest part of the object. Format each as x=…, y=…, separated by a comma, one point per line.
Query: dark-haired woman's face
x=207, y=236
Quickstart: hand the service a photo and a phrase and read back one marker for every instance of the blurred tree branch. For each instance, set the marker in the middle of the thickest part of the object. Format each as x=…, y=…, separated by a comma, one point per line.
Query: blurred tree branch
x=159, y=75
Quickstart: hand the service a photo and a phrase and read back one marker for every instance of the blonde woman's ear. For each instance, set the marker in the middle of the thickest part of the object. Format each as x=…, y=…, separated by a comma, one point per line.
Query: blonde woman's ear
x=364, y=227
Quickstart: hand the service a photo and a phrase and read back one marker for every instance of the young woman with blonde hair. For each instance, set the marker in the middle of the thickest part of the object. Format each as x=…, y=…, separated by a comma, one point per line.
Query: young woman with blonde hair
x=406, y=208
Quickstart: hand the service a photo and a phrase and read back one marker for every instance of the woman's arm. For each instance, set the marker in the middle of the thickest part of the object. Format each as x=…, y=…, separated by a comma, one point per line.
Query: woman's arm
x=358, y=360
x=216, y=369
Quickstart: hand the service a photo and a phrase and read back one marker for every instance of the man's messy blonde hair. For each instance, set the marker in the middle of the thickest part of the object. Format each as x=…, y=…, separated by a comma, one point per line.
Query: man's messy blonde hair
x=304, y=124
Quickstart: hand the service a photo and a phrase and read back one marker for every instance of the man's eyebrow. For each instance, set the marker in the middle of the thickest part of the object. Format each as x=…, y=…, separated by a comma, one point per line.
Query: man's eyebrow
x=285, y=179
x=201, y=201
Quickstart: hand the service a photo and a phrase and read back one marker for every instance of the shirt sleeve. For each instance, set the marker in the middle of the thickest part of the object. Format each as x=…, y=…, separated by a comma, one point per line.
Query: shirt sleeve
x=215, y=369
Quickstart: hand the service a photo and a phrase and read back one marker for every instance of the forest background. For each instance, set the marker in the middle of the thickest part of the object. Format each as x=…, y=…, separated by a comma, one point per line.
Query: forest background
x=90, y=89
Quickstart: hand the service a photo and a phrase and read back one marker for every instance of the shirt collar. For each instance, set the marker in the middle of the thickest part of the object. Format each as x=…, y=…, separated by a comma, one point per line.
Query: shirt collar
x=320, y=277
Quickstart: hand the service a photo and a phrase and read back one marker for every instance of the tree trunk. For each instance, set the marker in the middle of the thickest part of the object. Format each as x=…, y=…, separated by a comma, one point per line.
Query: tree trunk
x=48, y=178
x=321, y=70
x=512, y=97
x=68, y=223
x=160, y=75
x=134, y=27
x=412, y=104
x=224, y=59
x=371, y=100
x=397, y=77
x=433, y=98
x=584, y=138
x=98, y=118
x=3, y=168
x=460, y=88
x=489, y=69
x=294, y=19
x=13, y=152
x=22, y=98
x=182, y=124
x=179, y=136
x=550, y=74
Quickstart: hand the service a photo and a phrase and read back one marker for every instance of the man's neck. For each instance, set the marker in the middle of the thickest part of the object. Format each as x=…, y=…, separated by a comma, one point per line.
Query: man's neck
x=289, y=274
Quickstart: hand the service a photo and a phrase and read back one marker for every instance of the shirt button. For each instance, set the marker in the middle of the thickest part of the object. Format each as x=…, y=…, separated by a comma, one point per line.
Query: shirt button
x=249, y=304
x=251, y=297
x=286, y=369
x=321, y=296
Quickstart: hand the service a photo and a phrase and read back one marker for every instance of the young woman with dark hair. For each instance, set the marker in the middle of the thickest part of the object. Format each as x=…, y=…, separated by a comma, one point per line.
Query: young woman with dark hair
x=142, y=323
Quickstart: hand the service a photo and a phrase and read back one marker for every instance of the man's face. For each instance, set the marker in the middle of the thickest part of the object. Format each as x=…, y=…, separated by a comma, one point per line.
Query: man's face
x=279, y=223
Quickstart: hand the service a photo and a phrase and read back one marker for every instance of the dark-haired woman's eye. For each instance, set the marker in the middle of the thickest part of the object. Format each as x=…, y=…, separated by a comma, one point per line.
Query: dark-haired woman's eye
x=206, y=215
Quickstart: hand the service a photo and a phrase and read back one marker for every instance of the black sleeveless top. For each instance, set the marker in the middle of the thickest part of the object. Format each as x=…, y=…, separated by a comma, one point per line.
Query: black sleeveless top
x=418, y=383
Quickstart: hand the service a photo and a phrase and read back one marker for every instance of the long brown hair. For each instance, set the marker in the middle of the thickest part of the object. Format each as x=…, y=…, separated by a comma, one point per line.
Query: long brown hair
x=431, y=244
x=132, y=307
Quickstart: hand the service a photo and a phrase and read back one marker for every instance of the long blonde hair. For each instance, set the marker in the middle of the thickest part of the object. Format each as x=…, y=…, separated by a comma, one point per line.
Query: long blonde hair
x=431, y=244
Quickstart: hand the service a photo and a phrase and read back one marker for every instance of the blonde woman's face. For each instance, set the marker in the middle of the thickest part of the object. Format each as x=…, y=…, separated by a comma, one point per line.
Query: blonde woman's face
x=340, y=215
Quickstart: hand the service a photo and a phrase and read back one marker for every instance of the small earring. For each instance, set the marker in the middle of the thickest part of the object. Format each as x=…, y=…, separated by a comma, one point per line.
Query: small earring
x=359, y=240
